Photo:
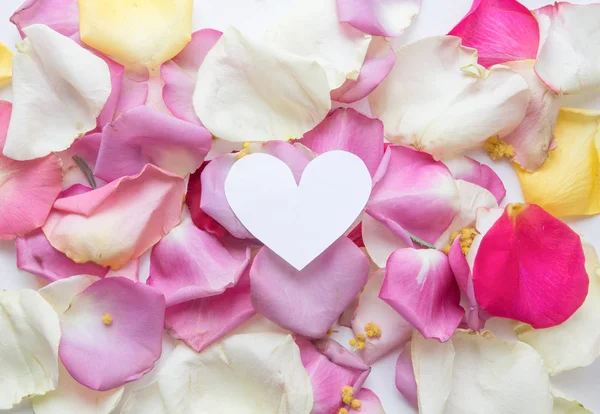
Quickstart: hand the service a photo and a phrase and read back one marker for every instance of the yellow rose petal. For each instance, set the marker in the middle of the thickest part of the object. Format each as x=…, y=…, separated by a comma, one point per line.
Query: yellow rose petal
x=568, y=184
x=133, y=32
x=5, y=64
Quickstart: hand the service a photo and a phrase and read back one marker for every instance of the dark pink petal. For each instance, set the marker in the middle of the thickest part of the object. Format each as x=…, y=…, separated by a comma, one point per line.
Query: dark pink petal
x=467, y=169
x=386, y=18
x=146, y=136
x=309, y=301
x=530, y=267
x=405, y=377
x=500, y=30
x=413, y=193
x=36, y=255
x=420, y=286
x=180, y=74
x=378, y=63
x=202, y=220
x=62, y=16
x=348, y=130
x=112, y=333
x=27, y=188
x=201, y=322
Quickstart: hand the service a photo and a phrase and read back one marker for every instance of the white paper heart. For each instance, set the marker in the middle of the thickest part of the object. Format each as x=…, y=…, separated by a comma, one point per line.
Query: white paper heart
x=298, y=221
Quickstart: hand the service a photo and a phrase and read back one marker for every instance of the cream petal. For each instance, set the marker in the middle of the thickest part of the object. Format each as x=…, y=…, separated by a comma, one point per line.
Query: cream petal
x=60, y=293
x=565, y=405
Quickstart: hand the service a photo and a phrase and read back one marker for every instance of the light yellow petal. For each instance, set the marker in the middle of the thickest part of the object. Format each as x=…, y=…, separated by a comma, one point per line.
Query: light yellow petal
x=132, y=32
x=568, y=184
x=5, y=64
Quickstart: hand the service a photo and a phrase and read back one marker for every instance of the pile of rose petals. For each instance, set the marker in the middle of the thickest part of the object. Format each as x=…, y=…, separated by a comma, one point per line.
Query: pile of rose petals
x=125, y=123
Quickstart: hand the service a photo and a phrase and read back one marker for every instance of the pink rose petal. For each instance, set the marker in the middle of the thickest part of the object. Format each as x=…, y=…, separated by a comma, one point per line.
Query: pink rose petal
x=467, y=169
x=112, y=333
x=60, y=15
x=27, y=188
x=201, y=322
x=530, y=267
x=420, y=286
x=86, y=148
x=500, y=30
x=386, y=18
x=378, y=63
x=414, y=194
x=179, y=74
x=135, y=89
x=130, y=270
x=369, y=403
x=117, y=73
x=405, y=377
x=308, y=301
x=146, y=136
x=348, y=130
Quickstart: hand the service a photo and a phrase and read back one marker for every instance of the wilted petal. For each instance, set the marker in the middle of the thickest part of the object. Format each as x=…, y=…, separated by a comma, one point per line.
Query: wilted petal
x=473, y=373
x=180, y=74
x=5, y=64
x=568, y=184
x=147, y=136
x=29, y=346
x=268, y=93
x=27, y=188
x=308, y=301
x=439, y=100
x=569, y=47
x=405, y=376
x=380, y=241
x=147, y=33
x=59, y=15
x=90, y=226
x=530, y=266
x=61, y=89
x=260, y=372
x=386, y=18
x=348, y=130
x=467, y=169
x=500, y=30
x=420, y=286
x=108, y=312
x=414, y=194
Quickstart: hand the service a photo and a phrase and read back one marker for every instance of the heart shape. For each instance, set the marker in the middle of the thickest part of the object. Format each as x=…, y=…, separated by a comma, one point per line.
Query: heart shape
x=298, y=221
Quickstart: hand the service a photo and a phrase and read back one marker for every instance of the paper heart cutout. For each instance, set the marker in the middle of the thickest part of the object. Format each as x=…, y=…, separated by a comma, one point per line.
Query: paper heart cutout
x=298, y=221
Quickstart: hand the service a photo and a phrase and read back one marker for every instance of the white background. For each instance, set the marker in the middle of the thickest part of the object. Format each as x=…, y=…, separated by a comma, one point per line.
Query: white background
x=437, y=17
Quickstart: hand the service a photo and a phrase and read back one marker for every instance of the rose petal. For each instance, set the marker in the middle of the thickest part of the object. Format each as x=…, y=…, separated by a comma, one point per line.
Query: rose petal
x=380, y=18
x=370, y=403
x=147, y=33
x=131, y=270
x=414, y=194
x=450, y=104
x=60, y=294
x=61, y=16
x=180, y=74
x=467, y=169
x=405, y=376
x=61, y=89
x=146, y=136
x=348, y=130
x=420, y=286
x=29, y=346
x=524, y=250
x=89, y=227
x=500, y=30
x=380, y=241
x=86, y=148
x=308, y=301
x=568, y=184
x=569, y=52
x=395, y=330
x=565, y=405
x=5, y=64
x=135, y=89
x=239, y=71
x=244, y=371
x=112, y=311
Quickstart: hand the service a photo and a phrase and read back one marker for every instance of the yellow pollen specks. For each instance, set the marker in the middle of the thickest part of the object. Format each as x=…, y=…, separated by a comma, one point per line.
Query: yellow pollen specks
x=355, y=404
x=496, y=148
x=348, y=399
x=329, y=332
x=453, y=236
x=342, y=411
x=107, y=319
x=358, y=342
x=467, y=235
x=372, y=330
x=245, y=150
x=246, y=145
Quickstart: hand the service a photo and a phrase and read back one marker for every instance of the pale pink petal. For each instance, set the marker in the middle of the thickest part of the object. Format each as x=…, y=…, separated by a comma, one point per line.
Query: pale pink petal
x=116, y=80
x=179, y=74
x=36, y=255
x=60, y=15
x=378, y=63
x=337, y=354
x=27, y=188
x=134, y=91
x=395, y=330
x=309, y=301
x=420, y=286
x=112, y=333
x=192, y=199
x=500, y=30
x=380, y=241
x=386, y=18
x=118, y=222
x=405, y=376
x=348, y=130
x=467, y=169
x=530, y=267
x=130, y=270
x=86, y=148
x=146, y=136
x=201, y=322
x=189, y=263
x=369, y=403
x=413, y=193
